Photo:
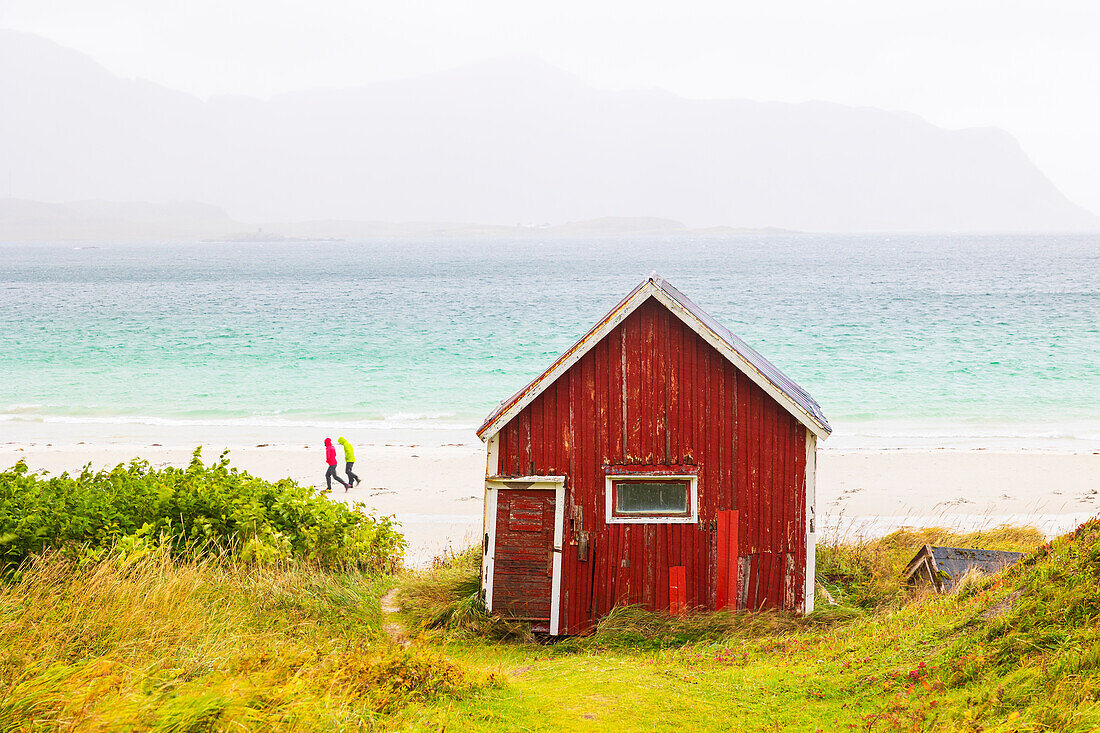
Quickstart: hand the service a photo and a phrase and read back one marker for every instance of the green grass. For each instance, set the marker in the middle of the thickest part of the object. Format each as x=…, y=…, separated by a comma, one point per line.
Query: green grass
x=1016, y=652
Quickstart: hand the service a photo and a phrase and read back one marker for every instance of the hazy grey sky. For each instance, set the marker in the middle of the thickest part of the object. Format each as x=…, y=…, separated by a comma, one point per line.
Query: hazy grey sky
x=1032, y=68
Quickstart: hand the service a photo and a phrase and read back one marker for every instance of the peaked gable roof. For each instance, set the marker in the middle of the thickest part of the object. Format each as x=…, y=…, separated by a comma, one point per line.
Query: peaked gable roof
x=748, y=360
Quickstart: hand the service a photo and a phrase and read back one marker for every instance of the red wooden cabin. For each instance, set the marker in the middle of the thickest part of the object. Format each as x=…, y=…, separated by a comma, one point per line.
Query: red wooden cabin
x=659, y=461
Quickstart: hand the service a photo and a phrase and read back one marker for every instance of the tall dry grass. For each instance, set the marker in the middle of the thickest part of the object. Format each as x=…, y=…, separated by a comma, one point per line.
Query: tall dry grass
x=863, y=574
x=446, y=598
x=161, y=644
x=867, y=573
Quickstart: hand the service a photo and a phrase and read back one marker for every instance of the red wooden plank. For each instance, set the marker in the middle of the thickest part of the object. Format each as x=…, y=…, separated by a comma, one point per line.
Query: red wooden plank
x=768, y=479
x=754, y=582
x=615, y=402
x=565, y=429
x=774, y=496
x=789, y=489
x=779, y=565
x=538, y=440
x=743, y=457
x=637, y=563
x=589, y=466
x=518, y=452
x=673, y=338
x=660, y=388
x=802, y=525
x=676, y=548
x=507, y=459
x=757, y=465
x=779, y=495
x=734, y=554
x=729, y=413
x=764, y=595
x=592, y=505
x=632, y=382
x=718, y=410
x=734, y=443
x=658, y=565
x=525, y=438
x=514, y=441
x=587, y=452
x=601, y=377
x=778, y=456
x=731, y=564
x=644, y=355
x=722, y=561
x=642, y=387
x=549, y=462
x=639, y=566
x=690, y=427
x=504, y=448
x=690, y=452
x=727, y=549
x=704, y=545
x=677, y=590
x=773, y=493
x=623, y=588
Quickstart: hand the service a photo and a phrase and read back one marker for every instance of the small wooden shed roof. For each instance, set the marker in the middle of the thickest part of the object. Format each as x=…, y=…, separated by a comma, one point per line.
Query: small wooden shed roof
x=944, y=566
x=778, y=385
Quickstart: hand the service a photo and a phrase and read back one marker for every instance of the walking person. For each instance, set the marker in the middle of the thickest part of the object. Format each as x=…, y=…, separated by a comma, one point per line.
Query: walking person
x=330, y=474
x=349, y=457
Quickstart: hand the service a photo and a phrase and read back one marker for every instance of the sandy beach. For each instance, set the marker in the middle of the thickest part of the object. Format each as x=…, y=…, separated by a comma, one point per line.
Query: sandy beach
x=431, y=480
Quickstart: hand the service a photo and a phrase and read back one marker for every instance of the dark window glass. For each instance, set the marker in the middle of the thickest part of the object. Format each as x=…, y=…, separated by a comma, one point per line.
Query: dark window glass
x=660, y=498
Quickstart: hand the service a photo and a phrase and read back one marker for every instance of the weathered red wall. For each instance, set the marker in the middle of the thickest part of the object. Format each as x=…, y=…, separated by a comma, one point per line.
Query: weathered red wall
x=655, y=393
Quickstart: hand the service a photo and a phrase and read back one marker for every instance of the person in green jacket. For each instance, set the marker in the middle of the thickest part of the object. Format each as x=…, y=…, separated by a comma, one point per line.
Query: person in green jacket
x=349, y=456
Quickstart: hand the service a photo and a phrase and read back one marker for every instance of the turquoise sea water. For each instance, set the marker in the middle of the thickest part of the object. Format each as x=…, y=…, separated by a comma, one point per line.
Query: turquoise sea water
x=949, y=330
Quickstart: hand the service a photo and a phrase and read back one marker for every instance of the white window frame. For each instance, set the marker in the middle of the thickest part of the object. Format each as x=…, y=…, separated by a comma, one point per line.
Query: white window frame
x=693, y=498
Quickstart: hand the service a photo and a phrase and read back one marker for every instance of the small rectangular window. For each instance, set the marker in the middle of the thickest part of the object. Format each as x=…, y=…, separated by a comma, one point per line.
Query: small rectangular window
x=653, y=498
x=637, y=497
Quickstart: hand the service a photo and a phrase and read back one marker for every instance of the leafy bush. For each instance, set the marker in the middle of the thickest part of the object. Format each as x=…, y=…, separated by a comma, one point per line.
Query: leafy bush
x=200, y=508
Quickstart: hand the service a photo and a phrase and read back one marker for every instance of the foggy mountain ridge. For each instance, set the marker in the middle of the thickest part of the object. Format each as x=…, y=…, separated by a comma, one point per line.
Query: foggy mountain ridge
x=506, y=141
x=108, y=221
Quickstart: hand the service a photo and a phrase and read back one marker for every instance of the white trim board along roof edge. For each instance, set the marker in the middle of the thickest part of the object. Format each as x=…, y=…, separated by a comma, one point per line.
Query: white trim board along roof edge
x=750, y=362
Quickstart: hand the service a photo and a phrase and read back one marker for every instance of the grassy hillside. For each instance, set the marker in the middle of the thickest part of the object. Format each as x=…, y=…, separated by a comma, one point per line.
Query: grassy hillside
x=1016, y=652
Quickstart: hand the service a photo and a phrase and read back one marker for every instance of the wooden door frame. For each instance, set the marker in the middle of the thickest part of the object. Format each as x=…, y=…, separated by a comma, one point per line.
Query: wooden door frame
x=496, y=484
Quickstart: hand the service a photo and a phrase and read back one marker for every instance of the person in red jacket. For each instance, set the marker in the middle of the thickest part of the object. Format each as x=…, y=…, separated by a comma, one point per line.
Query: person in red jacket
x=330, y=474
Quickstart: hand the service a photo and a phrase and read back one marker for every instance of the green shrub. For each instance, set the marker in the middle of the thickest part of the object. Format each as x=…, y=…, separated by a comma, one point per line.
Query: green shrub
x=216, y=508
